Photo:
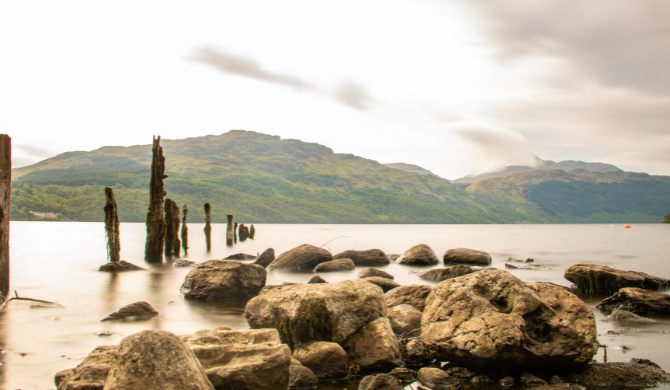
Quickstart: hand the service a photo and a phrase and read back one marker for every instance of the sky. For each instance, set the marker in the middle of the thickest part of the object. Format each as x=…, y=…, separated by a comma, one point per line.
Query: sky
x=455, y=86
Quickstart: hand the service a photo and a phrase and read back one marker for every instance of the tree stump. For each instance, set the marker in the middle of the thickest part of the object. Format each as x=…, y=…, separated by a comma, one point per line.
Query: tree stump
x=208, y=226
x=5, y=192
x=172, y=242
x=153, y=250
x=184, y=231
x=112, y=227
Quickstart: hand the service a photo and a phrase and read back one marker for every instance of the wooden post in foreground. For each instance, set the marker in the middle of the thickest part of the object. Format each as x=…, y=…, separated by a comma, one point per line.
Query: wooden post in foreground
x=172, y=243
x=112, y=227
x=153, y=251
x=184, y=232
x=208, y=226
x=229, y=231
x=5, y=192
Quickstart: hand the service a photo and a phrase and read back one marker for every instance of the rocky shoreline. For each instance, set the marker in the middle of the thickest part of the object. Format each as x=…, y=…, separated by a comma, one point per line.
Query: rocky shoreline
x=478, y=328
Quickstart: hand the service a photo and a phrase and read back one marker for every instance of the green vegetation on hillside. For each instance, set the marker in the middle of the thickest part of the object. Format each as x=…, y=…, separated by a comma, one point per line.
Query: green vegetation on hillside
x=667, y=218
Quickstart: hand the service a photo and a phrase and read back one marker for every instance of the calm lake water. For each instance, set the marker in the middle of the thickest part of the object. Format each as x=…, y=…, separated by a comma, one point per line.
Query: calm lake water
x=58, y=261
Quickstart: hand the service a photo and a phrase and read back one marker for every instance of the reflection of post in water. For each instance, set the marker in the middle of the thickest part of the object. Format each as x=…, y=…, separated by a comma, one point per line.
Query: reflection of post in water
x=110, y=293
x=172, y=243
x=235, y=233
x=112, y=227
x=153, y=251
x=184, y=232
x=208, y=226
x=156, y=289
x=5, y=192
x=230, y=232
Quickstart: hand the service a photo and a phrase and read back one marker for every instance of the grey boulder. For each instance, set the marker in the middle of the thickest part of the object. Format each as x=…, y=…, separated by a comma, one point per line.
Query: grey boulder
x=466, y=256
x=300, y=259
x=336, y=266
x=599, y=279
x=224, y=281
x=133, y=312
x=420, y=254
x=370, y=257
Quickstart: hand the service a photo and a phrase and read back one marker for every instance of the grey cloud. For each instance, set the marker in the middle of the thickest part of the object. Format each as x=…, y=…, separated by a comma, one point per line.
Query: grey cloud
x=353, y=95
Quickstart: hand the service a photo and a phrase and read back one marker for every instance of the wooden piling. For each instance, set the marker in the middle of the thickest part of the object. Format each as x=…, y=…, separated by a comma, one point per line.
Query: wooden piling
x=184, y=231
x=112, y=227
x=5, y=192
x=172, y=242
x=243, y=232
x=230, y=232
x=235, y=233
x=208, y=226
x=252, y=231
x=153, y=250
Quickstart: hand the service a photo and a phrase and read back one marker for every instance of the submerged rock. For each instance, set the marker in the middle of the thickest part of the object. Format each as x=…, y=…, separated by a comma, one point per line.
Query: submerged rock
x=410, y=294
x=492, y=319
x=301, y=259
x=638, y=301
x=367, y=272
x=266, y=258
x=598, y=279
x=133, y=312
x=240, y=256
x=120, y=266
x=185, y=263
x=326, y=360
x=526, y=266
x=370, y=257
x=638, y=373
x=440, y=274
x=385, y=284
x=421, y=254
x=466, y=256
x=621, y=315
x=224, y=281
x=335, y=266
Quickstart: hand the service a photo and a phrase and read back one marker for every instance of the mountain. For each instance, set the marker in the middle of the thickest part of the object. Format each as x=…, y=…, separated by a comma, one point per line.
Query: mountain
x=256, y=177
x=409, y=168
x=542, y=165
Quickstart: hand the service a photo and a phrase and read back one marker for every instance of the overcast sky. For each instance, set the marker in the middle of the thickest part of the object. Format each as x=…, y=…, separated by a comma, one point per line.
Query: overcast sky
x=454, y=86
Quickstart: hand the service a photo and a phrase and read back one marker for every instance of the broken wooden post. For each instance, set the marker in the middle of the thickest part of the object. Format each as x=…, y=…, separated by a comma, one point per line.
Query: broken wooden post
x=235, y=233
x=153, y=250
x=252, y=231
x=5, y=192
x=112, y=227
x=208, y=226
x=230, y=232
x=244, y=232
x=184, y=231
x=172, y=243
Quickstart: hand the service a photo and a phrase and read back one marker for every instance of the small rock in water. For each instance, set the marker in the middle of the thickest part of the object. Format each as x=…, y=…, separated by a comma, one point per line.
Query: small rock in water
x=119, y=266
x=185, y=263
x=135, y=311
x=621, y=315
x=525, y=266
x=55, y=305
x=460, y=373
x=613, y=333
x=625, y=348
x=367, y=272
x=316, y=279
x=530, y=380
x=481, y=379
x=56, y=318
x=104, y=333
x=507, y=381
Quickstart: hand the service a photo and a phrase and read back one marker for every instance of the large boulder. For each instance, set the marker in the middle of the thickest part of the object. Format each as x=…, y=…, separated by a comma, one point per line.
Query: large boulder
x=374, y=348
x=301, y=259
x=224, y=281
x=336, y=266
x=440, y=274
x=367, y=272
x=317, y=312
x=155, y=359
x=133, y=312
x=466, y=256
x=242, y=360
x=404, y=318
x=420, y=254
x=637, y=374
x=492, y=319
x=638, y=301
x=386, y=284
x=411, y=294
x=266, y=258
x=598, y=279
x=326, y=360
x=370, y=257
x=91, y=373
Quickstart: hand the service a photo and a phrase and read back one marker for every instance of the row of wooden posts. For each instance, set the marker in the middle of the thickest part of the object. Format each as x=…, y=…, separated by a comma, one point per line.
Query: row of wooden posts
x=163, y=219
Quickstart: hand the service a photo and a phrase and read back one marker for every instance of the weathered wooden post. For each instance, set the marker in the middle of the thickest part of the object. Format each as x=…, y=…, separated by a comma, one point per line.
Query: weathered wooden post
x=208, y=226
x=5, y=192
x=184, y=232
x=172, y=243
x=112, y=227
x=235, y=233
x=230, y=232
x=153, y=250
x=244, y=232
x=252, y=231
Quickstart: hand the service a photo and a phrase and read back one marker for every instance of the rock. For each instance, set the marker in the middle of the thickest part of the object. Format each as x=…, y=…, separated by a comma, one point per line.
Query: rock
x=275, y=287
x=530, y=380
x=301, y=377
x=404, y=318
x=531, y=266
x=224, y=281
x=317, y=312
x=380, y=382
x=374, y=348
x=316, y=279
x=393, y=257
x=507, y=381
x=119, y=266
x=420, y=254
x=513, y=260
x=621, y=315
x=466, y=256
x=638, y=373
x=133, y=312
x=437, y=379
x=638, y=301
x=492, y=319
x=481, y=379
x=414, y=353
x=386, y=284
x=404, y=375
x=241, y=256
x=242, y=360
x=367, y=272
x=326, y=360
x=370, y=257
x=440, y=274
x=411, y=294
x=155, y=359
x=185, y=263
x=301, y=259
x=560, y=386
x=266, y=258
x=598, y=279
x=460, y=373
x=91, y=373
x=556, y=380
x=335, y=266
